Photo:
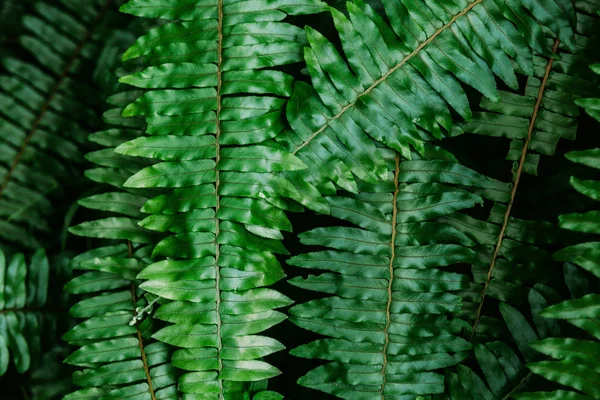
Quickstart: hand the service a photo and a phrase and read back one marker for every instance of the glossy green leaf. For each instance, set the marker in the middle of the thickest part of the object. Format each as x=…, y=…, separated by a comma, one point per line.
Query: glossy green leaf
x=215, y=98
x=385, y=320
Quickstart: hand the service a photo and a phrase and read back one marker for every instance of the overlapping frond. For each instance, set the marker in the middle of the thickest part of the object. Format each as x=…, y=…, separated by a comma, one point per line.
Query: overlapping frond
x=391, y=279
x=514, y=268
x=23, y=320
x=111, y=170
x=501, y=370
x=511, y=260
x=545, y=113
x=576, y=360
x=511, y=253
x=217, y=102
x=508, y=261
x=400, y=80
x=215, y=142
x=117, y=355
x=46, y=112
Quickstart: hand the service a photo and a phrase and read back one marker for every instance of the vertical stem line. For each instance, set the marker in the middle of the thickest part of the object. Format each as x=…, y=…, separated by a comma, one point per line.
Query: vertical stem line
x=139, y=333
x=217, y=184
x=391, y=271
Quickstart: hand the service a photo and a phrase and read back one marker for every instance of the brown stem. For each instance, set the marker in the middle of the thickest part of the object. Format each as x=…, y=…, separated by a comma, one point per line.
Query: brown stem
x=139, y=333
x=217, y=185
x=515, y=187
x=387, y=75
x=391, y=271
x=141, y=343
x=521, y=383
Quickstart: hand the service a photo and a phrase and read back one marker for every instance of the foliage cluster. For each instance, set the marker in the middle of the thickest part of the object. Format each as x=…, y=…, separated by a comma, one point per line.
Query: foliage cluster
x=400, y=160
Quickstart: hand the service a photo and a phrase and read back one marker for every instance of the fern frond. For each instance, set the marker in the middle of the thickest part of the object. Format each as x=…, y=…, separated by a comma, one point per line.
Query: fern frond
x=515, y=267
x=23, y=295
x=217, y=104
x=112, y=170
x=537, y=120
x=399, y=80
x=578, y=359
x=512, y=254
x=576, y=363
x=46, y=112
x=118, y=357
x=501, y=363
x=386, y=320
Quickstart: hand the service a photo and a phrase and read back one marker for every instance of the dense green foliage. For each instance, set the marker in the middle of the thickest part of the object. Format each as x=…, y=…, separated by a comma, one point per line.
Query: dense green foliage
x=118, y=356
x=46, y=113
x=24, y=293
x=389, y=316
x=182, y=143
x=31, y=318
x=578, y=365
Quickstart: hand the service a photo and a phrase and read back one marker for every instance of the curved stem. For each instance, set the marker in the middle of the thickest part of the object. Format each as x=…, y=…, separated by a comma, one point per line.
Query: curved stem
x=514, y=390
x=139, y=333
x=141, y=344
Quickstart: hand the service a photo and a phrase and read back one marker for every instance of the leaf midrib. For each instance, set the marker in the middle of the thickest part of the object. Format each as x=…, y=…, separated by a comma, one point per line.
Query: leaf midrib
x=140, y=339
x=516, y=181
x=391, y=271
x=385, y=76
x=217, y=183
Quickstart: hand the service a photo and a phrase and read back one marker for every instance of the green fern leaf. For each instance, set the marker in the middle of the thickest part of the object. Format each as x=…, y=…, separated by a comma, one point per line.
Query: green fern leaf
x=537, y=120
x=504, y=373
x=217, y=104
x=116, y=356
x=511, y=252
x=386, y=323
x=23, y=295
x=119, y=358
x=46, y=111
x=399, y=78
x=575, y=363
